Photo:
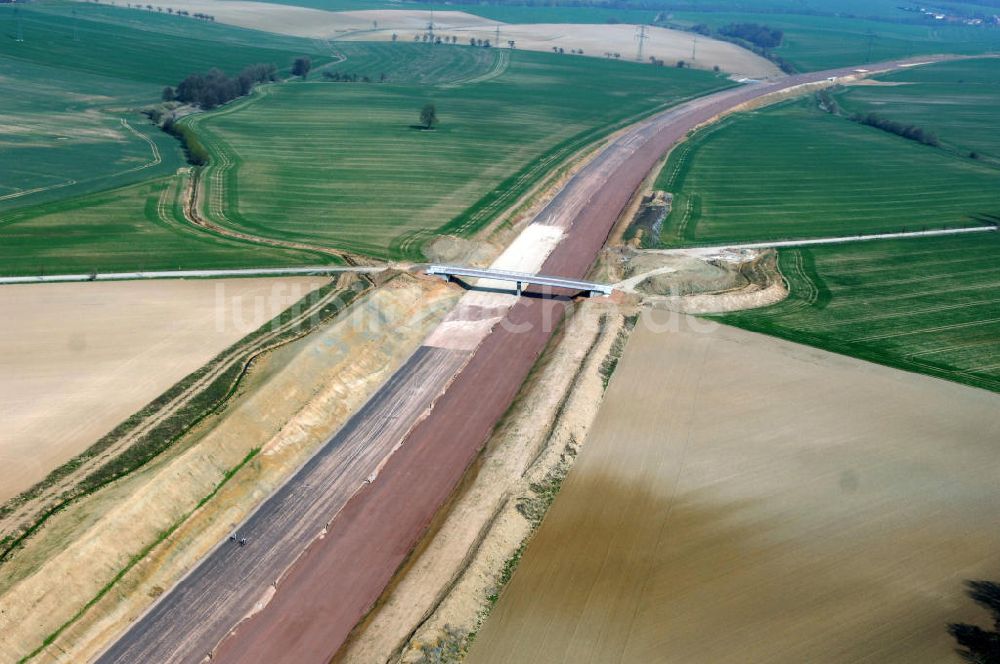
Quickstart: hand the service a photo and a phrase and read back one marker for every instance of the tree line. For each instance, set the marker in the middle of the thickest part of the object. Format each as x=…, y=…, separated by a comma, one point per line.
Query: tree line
x=757, y=38
x=828, y=103
x=214, y=87
x=338, y=77
x=908, y=131
x=194, y=151
x=758, y=35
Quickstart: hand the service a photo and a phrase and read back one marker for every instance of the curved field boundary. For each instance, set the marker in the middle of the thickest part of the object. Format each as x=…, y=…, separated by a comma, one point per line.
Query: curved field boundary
x=155, y=160
x=501, y=62
x=219, y=178
x=938, y=318
x=220, y=201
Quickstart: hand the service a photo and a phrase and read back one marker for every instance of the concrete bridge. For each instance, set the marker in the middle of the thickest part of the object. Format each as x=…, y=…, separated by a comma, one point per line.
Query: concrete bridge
x=521, y=279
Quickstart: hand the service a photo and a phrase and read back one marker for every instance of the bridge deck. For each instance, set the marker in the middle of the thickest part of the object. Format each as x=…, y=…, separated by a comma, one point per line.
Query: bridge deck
x=519, y=278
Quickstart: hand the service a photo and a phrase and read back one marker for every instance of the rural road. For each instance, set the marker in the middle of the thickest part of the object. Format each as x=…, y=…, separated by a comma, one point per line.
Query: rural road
x=826, y=240
x=419, y=433
x=192, y=274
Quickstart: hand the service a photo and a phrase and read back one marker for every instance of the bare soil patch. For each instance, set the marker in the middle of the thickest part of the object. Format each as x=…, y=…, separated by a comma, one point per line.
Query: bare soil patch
x=744, y=499
x=290, y=403
x=79, y=358
x=443, y=590
x=699, y=281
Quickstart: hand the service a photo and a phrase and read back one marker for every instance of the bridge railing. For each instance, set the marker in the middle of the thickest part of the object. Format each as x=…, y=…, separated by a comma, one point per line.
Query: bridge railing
x=520, y=279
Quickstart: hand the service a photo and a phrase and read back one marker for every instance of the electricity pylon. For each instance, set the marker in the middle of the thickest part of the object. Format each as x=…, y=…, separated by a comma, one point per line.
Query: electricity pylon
x=641, y=37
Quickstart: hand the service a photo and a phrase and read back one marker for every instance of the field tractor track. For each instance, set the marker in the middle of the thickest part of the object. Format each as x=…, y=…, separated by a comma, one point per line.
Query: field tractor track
x=215, y=203
x=500, y=64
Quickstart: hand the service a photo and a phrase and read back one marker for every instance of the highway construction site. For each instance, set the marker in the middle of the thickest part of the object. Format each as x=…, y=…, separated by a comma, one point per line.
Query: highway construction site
x=402, y=452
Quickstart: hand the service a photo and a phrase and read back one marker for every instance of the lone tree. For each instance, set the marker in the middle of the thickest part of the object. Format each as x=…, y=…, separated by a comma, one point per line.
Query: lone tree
x=301, y=67
x=428, y=116
x=978, y=645
x=168, y=94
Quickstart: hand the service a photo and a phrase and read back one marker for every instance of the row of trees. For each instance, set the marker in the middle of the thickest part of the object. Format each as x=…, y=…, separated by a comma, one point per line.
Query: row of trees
x=758, y=35
x=910, y=131
x=758, y=38
x=828, y=103
x=337, y=77
x=170, y=10
x=431, y=38
x=214, y=87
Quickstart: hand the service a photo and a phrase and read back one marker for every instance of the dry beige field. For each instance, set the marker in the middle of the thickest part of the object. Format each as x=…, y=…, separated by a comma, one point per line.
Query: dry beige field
x=381, y=24
x=743, y=499
x=596, y=40
x=77, y=359
x=287, y=406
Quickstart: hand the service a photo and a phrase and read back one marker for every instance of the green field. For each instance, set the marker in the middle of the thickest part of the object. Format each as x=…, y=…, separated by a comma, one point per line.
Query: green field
x=64, y=133
x=135, y=227
x=819, y=34
x=792, y=171
x=73, y=89
x=930, y=305
x=824, y=42
x=83, y=171
x=343, y=165
x=959, y=101
x=554, y=11
x=137, y=45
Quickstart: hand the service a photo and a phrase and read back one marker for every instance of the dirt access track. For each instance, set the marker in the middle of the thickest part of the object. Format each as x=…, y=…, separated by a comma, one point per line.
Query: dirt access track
x=312, y=606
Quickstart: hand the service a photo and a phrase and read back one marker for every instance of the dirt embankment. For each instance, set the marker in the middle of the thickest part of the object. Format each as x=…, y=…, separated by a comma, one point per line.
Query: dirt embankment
x=444, y=590
x=80, y=358
x=699, y=282
x=289, y=403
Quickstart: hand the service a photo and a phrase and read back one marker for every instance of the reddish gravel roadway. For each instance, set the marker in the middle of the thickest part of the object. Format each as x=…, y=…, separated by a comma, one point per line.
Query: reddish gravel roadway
x=339, y=578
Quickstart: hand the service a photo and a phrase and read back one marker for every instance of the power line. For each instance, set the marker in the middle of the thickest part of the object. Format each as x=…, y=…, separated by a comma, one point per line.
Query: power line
x=641, y=37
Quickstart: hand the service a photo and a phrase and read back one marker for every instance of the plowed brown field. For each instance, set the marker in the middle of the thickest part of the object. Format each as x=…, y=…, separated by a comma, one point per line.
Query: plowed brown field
x=744, y=499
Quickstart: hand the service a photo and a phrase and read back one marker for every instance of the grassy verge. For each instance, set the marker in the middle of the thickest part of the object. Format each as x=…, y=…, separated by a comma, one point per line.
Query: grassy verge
x=145, y=551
